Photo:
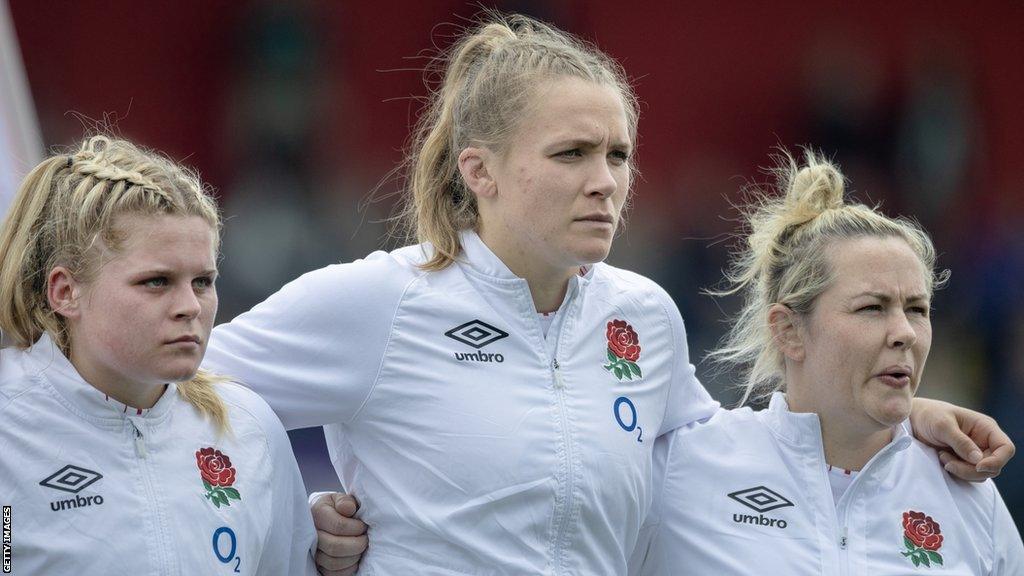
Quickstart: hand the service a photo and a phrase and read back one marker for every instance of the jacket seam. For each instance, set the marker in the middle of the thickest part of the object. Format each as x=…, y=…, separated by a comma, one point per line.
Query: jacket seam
x=386, y=349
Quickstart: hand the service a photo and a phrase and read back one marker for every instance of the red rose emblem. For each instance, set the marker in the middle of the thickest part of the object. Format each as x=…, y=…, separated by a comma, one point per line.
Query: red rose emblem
x=922, y=530
x=215, y=467
x=623, y=341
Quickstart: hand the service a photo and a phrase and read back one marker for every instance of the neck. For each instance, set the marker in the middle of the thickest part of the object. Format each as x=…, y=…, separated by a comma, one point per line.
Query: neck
x=131, y=394
x=849, y=442
x=547, y=284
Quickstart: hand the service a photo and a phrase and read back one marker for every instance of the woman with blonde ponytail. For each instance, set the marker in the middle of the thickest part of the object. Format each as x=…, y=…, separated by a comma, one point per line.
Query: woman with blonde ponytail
x=828, y=480
x=117, y=454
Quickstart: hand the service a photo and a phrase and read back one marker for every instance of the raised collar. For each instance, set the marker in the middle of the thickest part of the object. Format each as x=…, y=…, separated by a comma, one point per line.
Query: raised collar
x=480, y=259
x=804, y=429
x=48, y=365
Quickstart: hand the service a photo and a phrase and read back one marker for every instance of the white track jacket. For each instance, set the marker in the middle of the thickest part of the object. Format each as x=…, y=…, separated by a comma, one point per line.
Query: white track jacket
x=748, y=493
x=476, y=445
x=98, y=489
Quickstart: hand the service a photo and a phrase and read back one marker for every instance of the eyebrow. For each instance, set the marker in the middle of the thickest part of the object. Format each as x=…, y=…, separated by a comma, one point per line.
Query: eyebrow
x=589, y=143
x=167, y=272
x=887, y=298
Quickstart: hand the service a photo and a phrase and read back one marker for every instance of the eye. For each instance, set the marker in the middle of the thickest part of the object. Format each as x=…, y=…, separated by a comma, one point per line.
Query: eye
x=870, y=308
x=619, y=157
x=203, y=282
x=922, y=310
x=573, y=153
x=155, y=282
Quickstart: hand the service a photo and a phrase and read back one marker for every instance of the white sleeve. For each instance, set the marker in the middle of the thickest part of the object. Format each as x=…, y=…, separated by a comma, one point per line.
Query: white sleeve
x=652, y=556
x=688, y=400
x=313, y=349
x=291, y=541
x=1008, y=550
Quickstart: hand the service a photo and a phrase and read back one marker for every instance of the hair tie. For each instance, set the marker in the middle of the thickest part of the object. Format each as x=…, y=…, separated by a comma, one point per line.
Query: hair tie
x=71, y=160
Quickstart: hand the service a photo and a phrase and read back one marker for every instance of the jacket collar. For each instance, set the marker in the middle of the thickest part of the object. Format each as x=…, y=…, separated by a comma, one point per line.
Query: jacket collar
x=47, y=364
x=481, y=260
x=805, y=428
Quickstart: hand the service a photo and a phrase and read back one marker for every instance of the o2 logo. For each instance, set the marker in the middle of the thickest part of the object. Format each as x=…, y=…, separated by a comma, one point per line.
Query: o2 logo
x=224, y=538
x=625, y=415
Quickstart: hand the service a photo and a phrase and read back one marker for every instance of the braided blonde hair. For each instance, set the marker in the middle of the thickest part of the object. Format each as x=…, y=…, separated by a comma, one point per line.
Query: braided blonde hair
x=65, y=209
x=783, y=259
x=490, y=77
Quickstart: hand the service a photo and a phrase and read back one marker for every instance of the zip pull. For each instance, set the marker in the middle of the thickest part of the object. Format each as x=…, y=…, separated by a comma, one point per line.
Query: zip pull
x=140, y=442
x=843, y=540
x=558, y=375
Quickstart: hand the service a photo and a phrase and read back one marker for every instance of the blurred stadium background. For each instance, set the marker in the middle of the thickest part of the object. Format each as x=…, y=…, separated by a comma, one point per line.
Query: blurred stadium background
x=295, y=112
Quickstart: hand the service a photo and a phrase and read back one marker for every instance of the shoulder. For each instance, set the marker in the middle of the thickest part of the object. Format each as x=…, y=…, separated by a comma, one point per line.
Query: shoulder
x=248, y=412
x=975, y=501
x=15, y=377
x=380, y=273
x=632, y=290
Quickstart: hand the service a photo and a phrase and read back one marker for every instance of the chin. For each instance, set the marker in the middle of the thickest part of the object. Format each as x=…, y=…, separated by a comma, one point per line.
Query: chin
x=892, y=411
x=591, y=252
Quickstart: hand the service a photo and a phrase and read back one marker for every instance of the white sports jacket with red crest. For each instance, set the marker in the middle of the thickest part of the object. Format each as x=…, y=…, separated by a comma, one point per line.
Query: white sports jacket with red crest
x=476, y=445
x=748, y=493
x=99, y=489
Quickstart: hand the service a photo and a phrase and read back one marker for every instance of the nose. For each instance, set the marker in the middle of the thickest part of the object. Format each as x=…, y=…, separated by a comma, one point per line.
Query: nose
x=602, y=181
x=901, y=332
x=186, y=303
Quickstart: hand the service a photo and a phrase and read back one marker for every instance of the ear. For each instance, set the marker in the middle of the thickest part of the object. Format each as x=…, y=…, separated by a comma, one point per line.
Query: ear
x=782, y=321
x=62, y=292
x=473, y=167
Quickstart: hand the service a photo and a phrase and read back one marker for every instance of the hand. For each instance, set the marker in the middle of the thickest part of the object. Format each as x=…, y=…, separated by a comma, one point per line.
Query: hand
x=971, y=445
x=341, y=539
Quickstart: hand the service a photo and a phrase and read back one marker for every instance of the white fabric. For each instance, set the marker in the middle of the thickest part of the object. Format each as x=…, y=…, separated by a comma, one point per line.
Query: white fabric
x=697, y=528
x=839, y=480
x=148, y=513
x=507, y=459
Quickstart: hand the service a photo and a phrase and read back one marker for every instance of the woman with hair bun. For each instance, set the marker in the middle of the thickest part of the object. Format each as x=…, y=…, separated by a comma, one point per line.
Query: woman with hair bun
x=492, y=394
x=118, y=456
x=835, y=329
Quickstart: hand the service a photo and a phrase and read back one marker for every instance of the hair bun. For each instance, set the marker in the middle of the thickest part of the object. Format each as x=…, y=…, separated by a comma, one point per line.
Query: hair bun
x=815, y=187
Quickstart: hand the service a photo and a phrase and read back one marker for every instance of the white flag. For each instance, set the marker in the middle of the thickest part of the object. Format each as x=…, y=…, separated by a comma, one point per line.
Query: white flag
x=21, y=147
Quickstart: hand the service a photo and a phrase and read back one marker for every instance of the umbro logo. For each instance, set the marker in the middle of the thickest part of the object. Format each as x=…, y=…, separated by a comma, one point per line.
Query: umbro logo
x=477, y=333
x=760, y=499
x=72, y=479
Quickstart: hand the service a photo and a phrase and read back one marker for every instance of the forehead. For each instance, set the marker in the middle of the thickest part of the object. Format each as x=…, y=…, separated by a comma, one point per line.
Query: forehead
x=575, y=108
x=165, y=242
x=872, y=264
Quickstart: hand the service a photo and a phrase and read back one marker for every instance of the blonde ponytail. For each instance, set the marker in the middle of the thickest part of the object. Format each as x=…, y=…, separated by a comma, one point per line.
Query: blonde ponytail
x=488, y=79
x=782, y=258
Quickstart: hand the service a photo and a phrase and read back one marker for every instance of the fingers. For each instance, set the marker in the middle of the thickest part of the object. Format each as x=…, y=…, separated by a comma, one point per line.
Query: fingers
x=992, y=464
x=345, y=504
x=327, y=518
x=343, y=572
x=961, y=443
x=347, y=552
x=963, y=470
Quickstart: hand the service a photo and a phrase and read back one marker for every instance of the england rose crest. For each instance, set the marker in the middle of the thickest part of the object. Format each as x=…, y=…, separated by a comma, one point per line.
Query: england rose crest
x=623, y=350
x=922, y=538
x=218, y=476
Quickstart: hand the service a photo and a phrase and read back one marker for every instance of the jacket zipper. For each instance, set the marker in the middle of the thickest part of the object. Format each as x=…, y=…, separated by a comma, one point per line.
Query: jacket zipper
x=843, y=539
x=569, y=455
x=147, y=486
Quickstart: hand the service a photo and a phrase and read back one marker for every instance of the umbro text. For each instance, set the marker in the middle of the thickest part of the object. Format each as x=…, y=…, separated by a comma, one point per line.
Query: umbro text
x=76, y=502
x=478, y=357
x=759, y=520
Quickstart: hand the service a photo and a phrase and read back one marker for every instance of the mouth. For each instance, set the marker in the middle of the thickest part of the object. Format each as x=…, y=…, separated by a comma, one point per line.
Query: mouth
x=186, y=340
x=895, y=376
x=597, y=217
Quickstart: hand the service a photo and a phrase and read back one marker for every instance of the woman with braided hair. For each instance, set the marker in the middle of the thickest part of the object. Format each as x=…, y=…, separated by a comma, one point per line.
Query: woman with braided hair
x=492, y=394
x=118, y=456
x=835, y=330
